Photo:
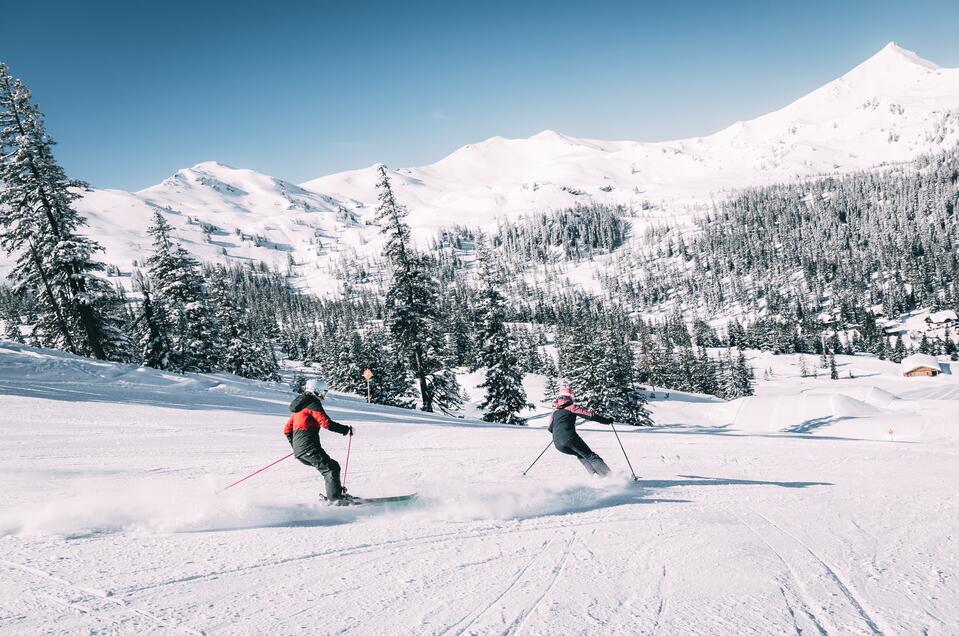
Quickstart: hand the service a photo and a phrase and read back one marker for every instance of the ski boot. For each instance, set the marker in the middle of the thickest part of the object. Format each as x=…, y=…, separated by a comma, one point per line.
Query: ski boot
x=344, y=500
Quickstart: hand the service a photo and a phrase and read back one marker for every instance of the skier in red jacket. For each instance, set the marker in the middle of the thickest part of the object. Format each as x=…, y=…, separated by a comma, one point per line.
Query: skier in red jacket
x=562, y=424
x=302, y=430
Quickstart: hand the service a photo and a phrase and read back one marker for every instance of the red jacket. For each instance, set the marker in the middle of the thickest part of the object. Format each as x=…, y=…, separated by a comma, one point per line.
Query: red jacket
x=302, y=429
x=307, y=420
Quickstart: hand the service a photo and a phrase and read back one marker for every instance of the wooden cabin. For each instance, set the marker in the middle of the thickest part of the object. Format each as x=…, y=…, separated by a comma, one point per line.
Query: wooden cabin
x=920, y=365
x=942, y=318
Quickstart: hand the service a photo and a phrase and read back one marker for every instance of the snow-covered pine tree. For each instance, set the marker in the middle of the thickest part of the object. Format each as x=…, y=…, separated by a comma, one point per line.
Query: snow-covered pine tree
x=342, y=368
x=238, y=350
x=497, y=350
x=686, y=365
x=156, y=351
x=598, y=361
x=74, y=306
x=297, y=382
x=704, y=374
x=898, y=351
x=391, y=382
x=724, y=376
x=744, y=374
x=179, y=290
x=833, y=371
x=580, y=357
x=739, y=377
x=622, y=396
x=551, y=389
x=412, y=306
x=11, y=323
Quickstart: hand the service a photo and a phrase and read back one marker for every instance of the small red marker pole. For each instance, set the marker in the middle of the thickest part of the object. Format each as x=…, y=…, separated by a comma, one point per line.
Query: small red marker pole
x=890, y=431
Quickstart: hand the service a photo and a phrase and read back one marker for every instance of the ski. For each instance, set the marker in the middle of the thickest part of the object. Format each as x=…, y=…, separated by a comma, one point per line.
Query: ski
x=361, y=501
x=378, y=500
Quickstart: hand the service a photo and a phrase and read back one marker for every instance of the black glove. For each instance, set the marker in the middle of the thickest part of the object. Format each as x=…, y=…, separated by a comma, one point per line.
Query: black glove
x=349, y=431
x=603, y=420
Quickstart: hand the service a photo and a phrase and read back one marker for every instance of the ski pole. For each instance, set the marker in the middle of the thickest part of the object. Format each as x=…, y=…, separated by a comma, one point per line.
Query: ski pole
x=537, y=458
x=254, y=473
x=346, y=467
x=635, y=478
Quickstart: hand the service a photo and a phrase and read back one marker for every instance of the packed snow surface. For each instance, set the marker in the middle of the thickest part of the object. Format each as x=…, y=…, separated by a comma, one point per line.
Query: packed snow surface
x=816, y=506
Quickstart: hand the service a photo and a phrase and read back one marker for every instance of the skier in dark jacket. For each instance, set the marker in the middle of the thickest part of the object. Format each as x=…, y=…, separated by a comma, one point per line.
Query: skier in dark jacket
x=303, y=432
x=562, y=424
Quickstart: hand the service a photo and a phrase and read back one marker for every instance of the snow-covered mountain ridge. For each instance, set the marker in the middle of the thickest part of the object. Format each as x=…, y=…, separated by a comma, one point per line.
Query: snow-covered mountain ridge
x=891, y=108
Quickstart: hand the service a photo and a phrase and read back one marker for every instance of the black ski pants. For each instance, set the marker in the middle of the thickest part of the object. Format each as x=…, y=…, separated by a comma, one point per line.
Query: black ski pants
x=575, y=446
x=328, y=467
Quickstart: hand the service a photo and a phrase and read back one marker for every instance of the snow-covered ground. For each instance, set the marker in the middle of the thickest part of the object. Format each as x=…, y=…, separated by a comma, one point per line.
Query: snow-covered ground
x=109, y=521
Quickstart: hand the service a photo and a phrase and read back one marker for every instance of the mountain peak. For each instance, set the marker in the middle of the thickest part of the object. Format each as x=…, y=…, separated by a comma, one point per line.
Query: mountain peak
x=894, y=55
x=212, y=165
x=552, y=135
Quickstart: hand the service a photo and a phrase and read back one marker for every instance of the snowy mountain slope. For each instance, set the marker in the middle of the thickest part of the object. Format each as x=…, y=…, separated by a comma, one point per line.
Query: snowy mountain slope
x=890, y=108
x=228, y=214
x=109, y=521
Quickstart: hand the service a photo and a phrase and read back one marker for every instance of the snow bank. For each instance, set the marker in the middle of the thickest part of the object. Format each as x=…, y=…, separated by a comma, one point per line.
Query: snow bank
x=798, y=413
x=871, y=395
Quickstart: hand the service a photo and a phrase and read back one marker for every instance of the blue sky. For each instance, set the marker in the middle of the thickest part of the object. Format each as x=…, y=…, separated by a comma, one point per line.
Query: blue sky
x=134, y=91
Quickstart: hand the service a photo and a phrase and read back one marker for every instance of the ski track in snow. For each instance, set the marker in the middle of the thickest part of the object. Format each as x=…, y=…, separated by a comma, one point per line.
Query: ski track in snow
x=738, y=527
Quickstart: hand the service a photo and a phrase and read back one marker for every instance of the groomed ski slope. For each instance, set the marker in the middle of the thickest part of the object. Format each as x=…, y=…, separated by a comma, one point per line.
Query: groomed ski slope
x=109, y=522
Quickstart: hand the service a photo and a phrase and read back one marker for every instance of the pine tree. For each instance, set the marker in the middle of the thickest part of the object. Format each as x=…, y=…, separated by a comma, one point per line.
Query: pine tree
x=412, y=307
x=238, y=351
x=11, y=326
x=737, y=376
x=156, y=351
x=505, y=396
x=391, y=378
x=580, y=357
x=898, y=351
x=599, y=363
x=882, y=347
x=75, y=308
x=178, y=289
x=551, y=390
x=743, y=374
x=833, y=371
x=622, y=396
x=297, y=382
x=722, y=364
x=704, y=374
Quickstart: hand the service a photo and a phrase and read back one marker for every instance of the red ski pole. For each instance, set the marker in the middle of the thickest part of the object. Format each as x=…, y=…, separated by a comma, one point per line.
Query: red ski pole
x=346, y=466
x=239, y=481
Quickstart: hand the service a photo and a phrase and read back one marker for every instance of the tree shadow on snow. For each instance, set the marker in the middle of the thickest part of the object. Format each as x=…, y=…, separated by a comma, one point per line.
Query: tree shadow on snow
x=582, y=499
x=697, y=480
x=802, y=431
